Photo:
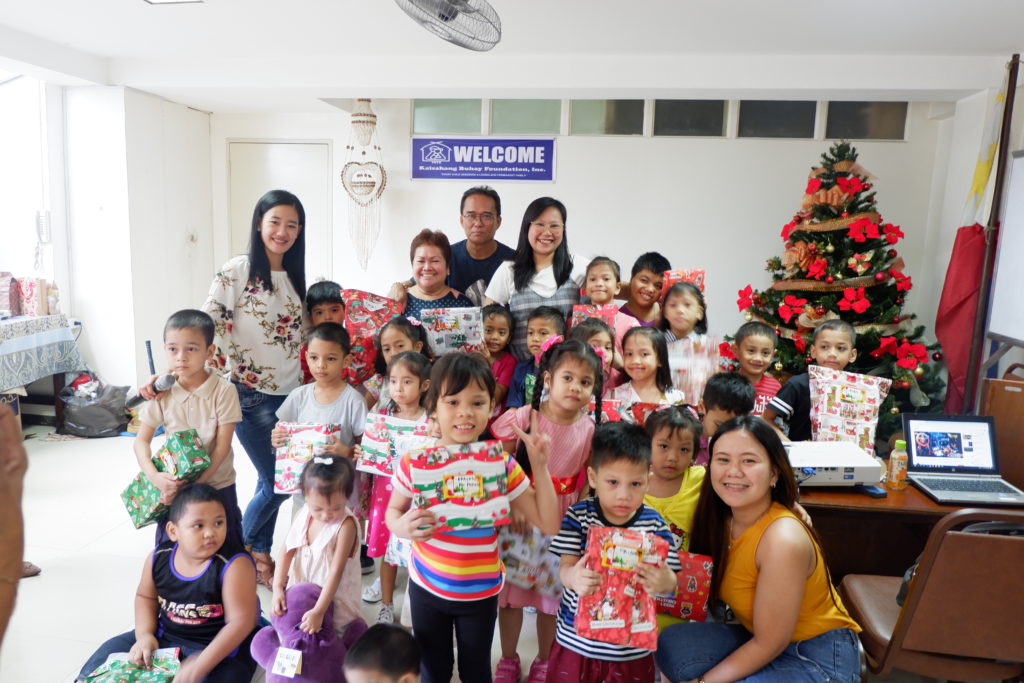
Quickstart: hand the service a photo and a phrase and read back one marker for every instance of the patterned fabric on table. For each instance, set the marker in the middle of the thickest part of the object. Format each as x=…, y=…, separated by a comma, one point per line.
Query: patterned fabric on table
x=34, y=347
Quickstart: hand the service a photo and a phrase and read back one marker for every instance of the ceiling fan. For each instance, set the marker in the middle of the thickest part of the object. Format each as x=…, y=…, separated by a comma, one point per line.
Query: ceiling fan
x=472, y=24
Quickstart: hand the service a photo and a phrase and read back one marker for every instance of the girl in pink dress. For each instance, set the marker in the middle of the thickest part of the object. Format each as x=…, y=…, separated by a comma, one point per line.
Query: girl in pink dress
x=572, y=373
x=408, y=378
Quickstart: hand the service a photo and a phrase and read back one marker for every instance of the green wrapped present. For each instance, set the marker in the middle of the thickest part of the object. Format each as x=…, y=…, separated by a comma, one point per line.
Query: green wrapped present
x=117, y=669
x=183, y=456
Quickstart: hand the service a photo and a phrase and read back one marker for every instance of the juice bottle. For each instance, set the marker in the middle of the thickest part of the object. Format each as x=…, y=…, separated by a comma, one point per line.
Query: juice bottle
x=897, y=476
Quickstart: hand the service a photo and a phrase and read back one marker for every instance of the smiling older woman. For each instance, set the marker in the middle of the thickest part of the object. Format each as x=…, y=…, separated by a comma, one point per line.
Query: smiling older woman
x=430, y=255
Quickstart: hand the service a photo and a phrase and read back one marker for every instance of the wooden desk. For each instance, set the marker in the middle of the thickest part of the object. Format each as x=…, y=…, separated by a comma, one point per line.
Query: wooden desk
x=864, y=535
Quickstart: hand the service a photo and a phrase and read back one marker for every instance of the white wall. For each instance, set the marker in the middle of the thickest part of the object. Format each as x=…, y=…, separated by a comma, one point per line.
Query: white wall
x=712, y=203
x=138, y=221
x=21, y=175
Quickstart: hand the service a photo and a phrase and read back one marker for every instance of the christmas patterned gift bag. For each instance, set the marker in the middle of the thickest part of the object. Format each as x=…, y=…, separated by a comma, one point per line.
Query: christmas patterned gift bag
x=183, y=456
x=163, y=668
x=464, y=485
x=637, y=413
x=690, y=600
x=581, y=312
x=365, y=313
x=304, y=440
x=528, y=564
x=387, y=438
x=609, y=409
x=844, y=405
x=621, y=612
x=453, y=329
x=33, y=292
x=691, y=362
x=671, y=277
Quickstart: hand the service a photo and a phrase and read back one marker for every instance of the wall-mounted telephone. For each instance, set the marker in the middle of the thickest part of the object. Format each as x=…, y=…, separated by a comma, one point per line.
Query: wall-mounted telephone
x=43, y=232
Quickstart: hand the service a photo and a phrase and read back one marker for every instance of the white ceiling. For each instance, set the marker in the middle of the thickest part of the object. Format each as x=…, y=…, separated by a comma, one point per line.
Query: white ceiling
x=270, y=55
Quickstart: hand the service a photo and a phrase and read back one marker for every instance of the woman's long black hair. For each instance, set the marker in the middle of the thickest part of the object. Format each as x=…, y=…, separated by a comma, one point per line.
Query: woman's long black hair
x=523, y=267
x=294, y=260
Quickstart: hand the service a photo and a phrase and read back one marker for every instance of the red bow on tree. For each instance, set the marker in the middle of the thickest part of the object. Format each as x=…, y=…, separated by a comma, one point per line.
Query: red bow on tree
x=861, y=229
x=745, y=301
x=813, y=185
x=725, y=350
x=893, y=234
x=786, y=229
x=855, y=299
x=799, y=343
x=886, y=345
x=903, y=282
x=791, y=306
x=909, y=355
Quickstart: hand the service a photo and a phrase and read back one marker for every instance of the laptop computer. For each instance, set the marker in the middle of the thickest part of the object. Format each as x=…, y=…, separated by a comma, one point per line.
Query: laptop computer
x=952, y=459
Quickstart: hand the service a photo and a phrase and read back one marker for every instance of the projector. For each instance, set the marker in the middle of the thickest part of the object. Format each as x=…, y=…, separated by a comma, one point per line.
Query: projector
x=832, y=463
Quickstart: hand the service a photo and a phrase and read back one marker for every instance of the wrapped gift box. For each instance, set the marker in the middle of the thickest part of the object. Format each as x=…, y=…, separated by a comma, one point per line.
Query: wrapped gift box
x=609, y=409
x=621, y=612
x=671, y=277
x=453, y=329
x=638, y=412
x=581, y=312
x=365, y=313
x=163, y=668
x=464, y=485
x=304, y=440
x=528, y=564
x=386, y=438
x=845, y=405
x=183, y=456
x=691, y=362
x=690, y=600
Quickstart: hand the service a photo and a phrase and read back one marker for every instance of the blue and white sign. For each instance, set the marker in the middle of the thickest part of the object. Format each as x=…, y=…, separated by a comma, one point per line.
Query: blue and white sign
x=483, y=159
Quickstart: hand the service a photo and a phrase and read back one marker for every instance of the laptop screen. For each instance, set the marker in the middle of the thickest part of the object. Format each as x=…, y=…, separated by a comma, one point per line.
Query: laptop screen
x=960, y=444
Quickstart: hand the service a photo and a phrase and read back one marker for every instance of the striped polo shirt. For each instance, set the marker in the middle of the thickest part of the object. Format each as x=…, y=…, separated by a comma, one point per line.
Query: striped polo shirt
x=459, y=565
x=572, y=540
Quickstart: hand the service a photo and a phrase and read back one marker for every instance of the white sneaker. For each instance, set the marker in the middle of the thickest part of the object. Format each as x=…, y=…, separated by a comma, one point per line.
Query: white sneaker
x=386, y=614
x=371, y=593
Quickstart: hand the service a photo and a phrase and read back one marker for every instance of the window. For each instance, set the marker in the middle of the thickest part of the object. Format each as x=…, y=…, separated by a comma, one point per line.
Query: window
x=776, y=119
x=446, y=116
x=607, y=117
x=866, y=120
x=526, y=117
x=689, y=117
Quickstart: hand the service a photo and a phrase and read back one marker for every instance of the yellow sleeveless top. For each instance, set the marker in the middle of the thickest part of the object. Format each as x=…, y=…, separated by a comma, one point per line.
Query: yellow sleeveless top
x=818, y=613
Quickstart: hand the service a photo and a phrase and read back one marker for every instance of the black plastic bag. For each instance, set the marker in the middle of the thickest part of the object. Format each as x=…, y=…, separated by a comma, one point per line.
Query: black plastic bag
x=99, y=415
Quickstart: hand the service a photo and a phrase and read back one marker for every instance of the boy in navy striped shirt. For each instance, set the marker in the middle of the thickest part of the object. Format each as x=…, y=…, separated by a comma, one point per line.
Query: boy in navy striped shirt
x=620, y=463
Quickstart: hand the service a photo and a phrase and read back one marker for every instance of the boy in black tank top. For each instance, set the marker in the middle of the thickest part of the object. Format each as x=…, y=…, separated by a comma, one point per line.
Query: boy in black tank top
x=193, y=595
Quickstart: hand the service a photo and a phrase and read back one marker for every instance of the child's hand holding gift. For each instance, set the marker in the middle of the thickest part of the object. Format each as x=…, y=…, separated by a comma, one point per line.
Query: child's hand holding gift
x=580, y=579
x=336, y=449
x=417, y=525
x=312, y=621
x=278, y=437
x=141, y=653
x=656, y=579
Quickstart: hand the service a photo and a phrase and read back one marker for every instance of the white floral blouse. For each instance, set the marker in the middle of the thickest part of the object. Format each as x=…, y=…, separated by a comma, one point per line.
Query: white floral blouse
x=258, y=332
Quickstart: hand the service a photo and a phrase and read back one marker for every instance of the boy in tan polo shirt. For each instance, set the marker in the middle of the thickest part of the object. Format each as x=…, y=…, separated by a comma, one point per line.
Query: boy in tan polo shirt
x=199, y=400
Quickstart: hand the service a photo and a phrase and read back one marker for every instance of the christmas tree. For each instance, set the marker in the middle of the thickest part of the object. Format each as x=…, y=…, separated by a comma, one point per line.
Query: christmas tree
x=840, y=261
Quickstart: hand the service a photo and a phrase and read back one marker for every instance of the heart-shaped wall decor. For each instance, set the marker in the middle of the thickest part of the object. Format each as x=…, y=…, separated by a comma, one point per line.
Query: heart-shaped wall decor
x=364, y=181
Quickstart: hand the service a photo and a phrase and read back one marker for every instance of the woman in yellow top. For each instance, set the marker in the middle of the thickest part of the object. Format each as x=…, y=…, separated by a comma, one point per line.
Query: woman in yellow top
x=769, y=568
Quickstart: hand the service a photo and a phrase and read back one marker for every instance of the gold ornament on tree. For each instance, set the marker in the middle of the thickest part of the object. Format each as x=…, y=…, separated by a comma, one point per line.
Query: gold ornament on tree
x=894, y=410
x=364, y=178
x=919, y=371
x=778, y=366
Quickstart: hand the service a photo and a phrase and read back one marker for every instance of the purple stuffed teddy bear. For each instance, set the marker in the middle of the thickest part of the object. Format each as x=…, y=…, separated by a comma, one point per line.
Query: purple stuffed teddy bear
x=323, y=653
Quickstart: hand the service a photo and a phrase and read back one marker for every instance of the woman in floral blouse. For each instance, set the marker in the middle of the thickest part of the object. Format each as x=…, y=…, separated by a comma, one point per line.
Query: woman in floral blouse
x=256, y=302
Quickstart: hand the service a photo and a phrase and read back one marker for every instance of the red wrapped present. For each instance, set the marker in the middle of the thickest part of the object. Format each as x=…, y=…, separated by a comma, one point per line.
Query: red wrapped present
x=690, y=600
x=304, y=440
x=606, y=312
x=845, y=405
x=620, y=612
x=671, y=277
x=464, y=485
x=638, y=412
x=609, y=409
x=365, y=313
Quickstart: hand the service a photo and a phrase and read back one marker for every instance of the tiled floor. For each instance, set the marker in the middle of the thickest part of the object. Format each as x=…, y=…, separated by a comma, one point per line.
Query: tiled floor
x=78, y=532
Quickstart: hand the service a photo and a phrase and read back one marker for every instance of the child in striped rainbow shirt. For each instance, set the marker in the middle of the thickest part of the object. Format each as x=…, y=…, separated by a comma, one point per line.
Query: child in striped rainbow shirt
x=455, y=576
